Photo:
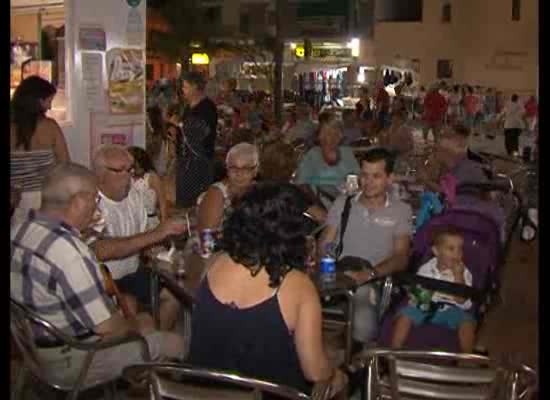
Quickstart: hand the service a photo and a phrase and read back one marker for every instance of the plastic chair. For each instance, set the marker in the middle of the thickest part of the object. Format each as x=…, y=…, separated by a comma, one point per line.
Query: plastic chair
x=175, y=381
x=405, y=375
x=21, y=321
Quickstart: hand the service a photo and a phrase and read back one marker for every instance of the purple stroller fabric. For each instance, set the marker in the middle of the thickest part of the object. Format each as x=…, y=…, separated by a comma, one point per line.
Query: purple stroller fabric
x=481, y=254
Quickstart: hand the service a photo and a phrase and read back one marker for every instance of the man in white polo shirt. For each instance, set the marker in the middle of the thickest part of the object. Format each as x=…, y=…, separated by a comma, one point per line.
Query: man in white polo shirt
x=125, y=216
x=378, y=230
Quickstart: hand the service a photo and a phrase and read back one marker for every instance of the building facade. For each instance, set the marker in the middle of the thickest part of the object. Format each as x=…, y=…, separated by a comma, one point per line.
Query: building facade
x=480, y=42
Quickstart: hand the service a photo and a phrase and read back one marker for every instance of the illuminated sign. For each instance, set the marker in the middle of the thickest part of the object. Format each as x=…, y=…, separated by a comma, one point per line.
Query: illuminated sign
x=200, y=59
x=300, y=51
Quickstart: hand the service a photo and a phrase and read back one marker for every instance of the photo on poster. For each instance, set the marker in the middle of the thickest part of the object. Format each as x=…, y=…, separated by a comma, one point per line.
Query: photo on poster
x=92, y=38
x=126, y=75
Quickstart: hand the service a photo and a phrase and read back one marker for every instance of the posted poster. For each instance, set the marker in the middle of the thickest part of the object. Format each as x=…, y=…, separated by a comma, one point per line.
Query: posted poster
x=106, y=129
x=92, y=38
x=92, y=77
x=126, y=74
x=135, y=28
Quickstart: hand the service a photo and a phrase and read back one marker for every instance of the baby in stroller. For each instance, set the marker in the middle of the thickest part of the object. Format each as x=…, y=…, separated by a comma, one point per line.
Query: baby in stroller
x=439, y=308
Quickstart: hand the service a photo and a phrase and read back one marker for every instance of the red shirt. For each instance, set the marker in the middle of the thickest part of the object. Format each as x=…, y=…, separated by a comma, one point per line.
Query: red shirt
x=531, y=108
x=471, y=104
x=435, y=107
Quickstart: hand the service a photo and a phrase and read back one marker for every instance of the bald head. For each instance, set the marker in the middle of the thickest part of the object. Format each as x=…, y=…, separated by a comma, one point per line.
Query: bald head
x=63, y=182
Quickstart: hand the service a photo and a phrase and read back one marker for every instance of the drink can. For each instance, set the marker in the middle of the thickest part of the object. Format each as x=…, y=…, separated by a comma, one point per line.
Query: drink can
x=208, y=242
x=328, y=269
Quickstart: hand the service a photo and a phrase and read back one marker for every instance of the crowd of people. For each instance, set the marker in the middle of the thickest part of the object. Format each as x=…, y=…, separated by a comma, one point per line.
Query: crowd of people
x=257, y=310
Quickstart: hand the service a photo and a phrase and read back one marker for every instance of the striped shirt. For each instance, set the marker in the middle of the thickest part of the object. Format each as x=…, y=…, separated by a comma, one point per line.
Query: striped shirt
x=54, y=273
x=28, y=168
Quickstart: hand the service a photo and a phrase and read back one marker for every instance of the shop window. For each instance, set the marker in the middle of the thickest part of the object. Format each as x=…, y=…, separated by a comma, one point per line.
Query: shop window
x=245, y=24
x=213, y=15
x=38, y=48
x=444, y=69
x=446, y=13
x=271, y=18
x=516, y=10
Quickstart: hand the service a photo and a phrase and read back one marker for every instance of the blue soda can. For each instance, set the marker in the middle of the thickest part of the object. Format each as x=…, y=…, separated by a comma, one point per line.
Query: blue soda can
x=208, y=242
x=328, y=269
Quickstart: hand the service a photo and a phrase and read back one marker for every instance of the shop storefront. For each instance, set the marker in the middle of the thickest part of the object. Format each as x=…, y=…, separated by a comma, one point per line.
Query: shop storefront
x=95, y=59
x=37, y=47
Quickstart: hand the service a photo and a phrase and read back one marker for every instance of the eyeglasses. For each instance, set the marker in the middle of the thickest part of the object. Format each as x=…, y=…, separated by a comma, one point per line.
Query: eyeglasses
x=130, y=170
x=248, y=170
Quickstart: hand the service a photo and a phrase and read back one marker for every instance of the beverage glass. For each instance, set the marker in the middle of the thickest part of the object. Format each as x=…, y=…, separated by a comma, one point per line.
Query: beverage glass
x=311, y=255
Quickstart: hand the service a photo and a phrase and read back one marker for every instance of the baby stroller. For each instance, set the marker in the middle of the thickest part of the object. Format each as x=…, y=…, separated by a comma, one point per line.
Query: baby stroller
x=482, y=249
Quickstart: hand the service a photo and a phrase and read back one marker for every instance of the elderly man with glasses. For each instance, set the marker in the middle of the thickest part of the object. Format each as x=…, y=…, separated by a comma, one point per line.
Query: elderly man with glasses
x=55, y=274
x=125, y=235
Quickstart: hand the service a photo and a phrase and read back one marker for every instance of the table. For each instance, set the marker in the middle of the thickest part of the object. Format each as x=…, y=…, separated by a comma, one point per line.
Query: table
x=343, y=286
x=183, y=288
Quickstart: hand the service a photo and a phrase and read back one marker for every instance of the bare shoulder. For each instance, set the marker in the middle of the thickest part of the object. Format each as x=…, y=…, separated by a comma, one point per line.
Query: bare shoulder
x=48, y=123
x=299, y=284
x=213, y=194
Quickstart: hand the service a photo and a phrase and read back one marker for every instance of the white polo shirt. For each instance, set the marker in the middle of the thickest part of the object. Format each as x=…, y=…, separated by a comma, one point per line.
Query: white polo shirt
x=122, y=219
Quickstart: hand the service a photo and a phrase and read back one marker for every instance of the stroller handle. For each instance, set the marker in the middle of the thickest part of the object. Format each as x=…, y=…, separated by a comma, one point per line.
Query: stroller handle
x=441, y=286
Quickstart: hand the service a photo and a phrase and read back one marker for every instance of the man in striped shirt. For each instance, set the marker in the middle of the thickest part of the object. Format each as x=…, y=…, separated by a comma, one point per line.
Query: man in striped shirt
x=54, y=273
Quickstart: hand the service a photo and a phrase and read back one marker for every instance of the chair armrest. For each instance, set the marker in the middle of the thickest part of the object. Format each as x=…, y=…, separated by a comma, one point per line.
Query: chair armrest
x=321, y=391
x=109, y=342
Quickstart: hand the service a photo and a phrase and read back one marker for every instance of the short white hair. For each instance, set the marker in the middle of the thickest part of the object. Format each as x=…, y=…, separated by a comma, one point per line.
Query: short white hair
x=105, y=152
x=63, y=181
x=244, y=152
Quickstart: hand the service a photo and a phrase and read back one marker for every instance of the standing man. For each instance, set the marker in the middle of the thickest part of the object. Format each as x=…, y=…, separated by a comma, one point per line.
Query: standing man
x=435, y=108
x=195, y=147
x=382, y=104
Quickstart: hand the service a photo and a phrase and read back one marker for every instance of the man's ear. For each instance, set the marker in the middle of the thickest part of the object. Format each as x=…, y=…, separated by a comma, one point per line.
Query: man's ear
x=435, y=251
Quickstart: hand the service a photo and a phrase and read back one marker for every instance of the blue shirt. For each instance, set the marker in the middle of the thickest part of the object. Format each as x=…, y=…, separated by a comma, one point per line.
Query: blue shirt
x=313, y=169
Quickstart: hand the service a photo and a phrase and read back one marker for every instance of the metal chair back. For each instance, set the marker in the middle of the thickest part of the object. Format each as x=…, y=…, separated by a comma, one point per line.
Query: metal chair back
x=405, y=375
x=22, y=322
x=185, y=382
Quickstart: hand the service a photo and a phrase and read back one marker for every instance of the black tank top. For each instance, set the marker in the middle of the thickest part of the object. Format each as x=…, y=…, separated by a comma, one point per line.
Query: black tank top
x=253, y=341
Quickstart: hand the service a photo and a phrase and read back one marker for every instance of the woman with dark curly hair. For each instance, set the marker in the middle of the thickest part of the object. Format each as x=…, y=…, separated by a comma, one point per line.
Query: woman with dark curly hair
x=257, y=313
x=36, y=141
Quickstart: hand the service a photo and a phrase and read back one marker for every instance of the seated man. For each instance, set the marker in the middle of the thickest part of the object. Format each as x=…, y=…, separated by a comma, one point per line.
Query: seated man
x=378, y=230
x=125, y=236
x=54, y=273
x=325, y=167
x=451, y=157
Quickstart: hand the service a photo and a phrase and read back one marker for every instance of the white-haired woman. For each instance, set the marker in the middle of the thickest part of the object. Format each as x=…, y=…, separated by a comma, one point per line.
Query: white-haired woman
x=242, y=162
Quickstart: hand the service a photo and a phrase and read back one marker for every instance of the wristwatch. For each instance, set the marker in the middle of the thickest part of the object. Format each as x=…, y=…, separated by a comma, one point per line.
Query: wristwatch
x=373, y=274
